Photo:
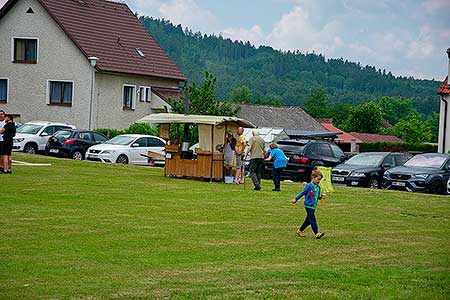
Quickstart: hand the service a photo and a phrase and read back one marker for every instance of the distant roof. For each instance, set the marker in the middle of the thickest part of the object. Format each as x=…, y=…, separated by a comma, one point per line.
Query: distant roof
x=166, y=93
x=168, y=118
x=375, y=138
x=311, y=134
x=110, y=31
x=343, y=137
x=287, y=117
x=444, y=88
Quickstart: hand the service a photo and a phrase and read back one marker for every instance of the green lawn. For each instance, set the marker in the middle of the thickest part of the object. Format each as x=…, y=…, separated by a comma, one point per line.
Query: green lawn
x=79, y=230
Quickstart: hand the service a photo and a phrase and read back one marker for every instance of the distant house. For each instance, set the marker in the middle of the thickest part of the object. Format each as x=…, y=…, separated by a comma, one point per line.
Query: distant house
x=376, y=138
x=346, y=141
x=47, y=51
x=285, y=117
x=444, y=113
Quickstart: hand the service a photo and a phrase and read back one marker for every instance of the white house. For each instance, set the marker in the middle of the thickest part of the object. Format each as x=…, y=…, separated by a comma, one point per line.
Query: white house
x=48, y=50
x=444, y=113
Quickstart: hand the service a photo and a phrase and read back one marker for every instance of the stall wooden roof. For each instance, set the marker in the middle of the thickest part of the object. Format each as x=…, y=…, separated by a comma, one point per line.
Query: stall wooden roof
x=167, y=118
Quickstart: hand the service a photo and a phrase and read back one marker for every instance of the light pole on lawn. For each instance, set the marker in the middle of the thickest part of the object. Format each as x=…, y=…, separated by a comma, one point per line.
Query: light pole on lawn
x=184, y=86
x=93, y=61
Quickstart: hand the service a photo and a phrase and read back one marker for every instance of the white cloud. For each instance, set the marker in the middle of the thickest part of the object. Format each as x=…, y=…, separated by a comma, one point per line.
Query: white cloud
x=254, y=35
x=185, y=12
x=436, y=5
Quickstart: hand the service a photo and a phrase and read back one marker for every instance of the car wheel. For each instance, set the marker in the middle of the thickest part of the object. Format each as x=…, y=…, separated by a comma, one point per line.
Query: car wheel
x=373, y=183
x=122, y=159
x=77, y=155
x=437, y=187
x=30, y=148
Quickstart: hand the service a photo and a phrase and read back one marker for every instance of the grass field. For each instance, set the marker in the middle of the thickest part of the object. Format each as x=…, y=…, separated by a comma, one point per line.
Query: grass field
x=80, y=230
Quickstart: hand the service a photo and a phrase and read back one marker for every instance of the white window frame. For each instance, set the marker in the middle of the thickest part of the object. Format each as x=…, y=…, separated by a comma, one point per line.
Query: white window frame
x=48, y=92
x=133, y=99
x=7, y=90
x=147, y=93
x=24, y=38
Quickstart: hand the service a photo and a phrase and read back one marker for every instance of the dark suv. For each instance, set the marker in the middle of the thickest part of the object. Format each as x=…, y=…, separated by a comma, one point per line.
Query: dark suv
x=427, y=172
x=367, y=169
x=303, y=156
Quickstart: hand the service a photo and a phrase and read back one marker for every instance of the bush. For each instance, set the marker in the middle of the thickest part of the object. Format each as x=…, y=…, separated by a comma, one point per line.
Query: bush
x=110, y=133
x=136, y=128
x=398, y=147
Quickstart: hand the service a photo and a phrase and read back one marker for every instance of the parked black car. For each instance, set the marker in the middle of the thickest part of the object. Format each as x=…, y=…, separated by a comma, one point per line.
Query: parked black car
x=303, y=156
x=73, y=143
x=367, y=169
x=423, y=173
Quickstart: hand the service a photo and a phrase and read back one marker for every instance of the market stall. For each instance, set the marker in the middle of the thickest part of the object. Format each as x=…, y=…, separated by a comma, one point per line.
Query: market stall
x=204, y=161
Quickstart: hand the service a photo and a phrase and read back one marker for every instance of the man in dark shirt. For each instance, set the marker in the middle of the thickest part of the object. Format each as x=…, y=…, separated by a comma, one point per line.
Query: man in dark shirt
x=8, y=131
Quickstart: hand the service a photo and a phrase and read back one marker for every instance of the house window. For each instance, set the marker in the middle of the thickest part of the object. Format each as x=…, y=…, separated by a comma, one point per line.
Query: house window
x=129, y=96
x=144, y=94
x=25, y=50
x=60, y=92
x=3, y=90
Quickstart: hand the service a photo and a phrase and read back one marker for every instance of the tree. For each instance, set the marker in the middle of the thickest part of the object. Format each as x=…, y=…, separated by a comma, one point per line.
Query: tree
x=393, y=109
x=202, y=100
x=364, y=118
x=241, y=95
x=317, y=104
x=412, y=129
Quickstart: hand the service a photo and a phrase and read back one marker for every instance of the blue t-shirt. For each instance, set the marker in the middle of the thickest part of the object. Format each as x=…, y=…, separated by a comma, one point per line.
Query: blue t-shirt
x=278, y=158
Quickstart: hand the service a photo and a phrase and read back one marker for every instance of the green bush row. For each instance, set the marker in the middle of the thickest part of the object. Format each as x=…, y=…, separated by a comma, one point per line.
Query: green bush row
x=136, y=128
x=398, y=147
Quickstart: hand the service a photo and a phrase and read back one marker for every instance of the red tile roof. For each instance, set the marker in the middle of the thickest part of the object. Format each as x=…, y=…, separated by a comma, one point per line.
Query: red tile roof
x=375, y=138
x=344, y=137
x=164, y=93
x=444, y=89
x=111, y=32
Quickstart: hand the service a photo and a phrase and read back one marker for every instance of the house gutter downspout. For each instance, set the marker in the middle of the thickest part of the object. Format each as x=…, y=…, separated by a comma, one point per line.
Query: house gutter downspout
x=444, y=132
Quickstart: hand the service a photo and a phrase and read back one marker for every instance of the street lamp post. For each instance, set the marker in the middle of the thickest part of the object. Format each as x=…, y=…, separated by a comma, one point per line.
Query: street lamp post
x=93, y=61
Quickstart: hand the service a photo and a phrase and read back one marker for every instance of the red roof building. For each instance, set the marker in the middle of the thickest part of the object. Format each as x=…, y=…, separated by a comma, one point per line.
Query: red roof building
x=376, y=138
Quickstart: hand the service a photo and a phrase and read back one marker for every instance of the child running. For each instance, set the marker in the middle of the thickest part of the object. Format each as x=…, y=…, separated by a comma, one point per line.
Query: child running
x=312, y=196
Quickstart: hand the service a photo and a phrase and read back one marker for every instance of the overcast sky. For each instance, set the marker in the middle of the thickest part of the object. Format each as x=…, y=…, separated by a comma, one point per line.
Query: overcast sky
x=406, y=37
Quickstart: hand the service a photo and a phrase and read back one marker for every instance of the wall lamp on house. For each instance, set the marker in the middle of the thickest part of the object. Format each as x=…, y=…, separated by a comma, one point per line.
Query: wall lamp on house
x=93, y=61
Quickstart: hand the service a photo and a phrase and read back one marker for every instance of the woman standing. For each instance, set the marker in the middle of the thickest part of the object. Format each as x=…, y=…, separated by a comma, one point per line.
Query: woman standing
x=228, y=156
x=8, y=131
x=279, y=164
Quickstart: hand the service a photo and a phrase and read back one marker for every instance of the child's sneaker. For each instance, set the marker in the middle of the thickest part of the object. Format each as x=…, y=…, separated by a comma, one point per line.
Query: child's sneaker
x=319, y=235
x=300, y=234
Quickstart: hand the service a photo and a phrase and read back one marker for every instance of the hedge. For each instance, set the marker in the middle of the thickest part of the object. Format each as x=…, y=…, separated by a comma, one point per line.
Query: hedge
x=398, y=147
x=136, y=128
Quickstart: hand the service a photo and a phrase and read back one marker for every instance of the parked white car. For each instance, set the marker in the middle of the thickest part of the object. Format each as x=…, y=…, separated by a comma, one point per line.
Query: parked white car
x=32, y=137
x=126, y=149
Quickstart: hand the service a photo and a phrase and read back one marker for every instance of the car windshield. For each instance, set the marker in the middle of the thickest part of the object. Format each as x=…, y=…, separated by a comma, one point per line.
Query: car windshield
x=372, y=160
x=62, y=135
x=29, y=128
x=291, y=147
x=121, y=140
x=426, y=161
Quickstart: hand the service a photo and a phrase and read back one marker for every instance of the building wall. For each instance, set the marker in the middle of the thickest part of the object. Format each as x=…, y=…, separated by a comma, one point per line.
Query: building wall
x=441, y=147
x=58, y=59
x=108, y=105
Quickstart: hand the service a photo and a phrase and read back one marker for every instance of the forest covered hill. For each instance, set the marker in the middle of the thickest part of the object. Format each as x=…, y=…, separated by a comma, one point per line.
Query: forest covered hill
x=284, y=77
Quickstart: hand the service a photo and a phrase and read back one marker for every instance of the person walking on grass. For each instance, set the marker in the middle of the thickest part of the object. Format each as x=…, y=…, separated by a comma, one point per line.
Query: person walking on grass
x=8, y=131
x=279, y=164
x=256, y=148
x=312, y=196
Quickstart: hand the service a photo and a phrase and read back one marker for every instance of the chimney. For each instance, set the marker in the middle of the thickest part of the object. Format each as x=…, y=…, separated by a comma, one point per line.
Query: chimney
x=448, y=74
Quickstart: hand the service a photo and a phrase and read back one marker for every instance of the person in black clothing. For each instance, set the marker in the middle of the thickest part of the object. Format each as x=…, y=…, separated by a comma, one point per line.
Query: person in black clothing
x=8, y=131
